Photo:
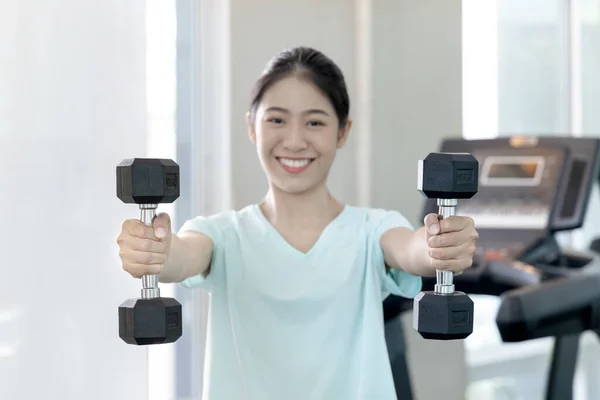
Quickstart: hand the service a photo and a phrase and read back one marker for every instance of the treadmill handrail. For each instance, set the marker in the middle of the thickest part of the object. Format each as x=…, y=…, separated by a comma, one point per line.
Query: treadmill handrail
x=529, y=306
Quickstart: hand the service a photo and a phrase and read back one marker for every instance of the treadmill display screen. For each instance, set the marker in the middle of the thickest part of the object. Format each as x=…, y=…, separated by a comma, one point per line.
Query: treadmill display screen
x=516, y=189
x=512, y=171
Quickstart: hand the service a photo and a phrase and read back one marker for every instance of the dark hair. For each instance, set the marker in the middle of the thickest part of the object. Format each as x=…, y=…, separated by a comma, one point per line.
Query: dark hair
x=314, y=66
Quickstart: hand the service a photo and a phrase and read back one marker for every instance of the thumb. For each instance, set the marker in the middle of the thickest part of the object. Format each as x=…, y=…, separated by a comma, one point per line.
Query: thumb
x=162, y=225
x=432, y=223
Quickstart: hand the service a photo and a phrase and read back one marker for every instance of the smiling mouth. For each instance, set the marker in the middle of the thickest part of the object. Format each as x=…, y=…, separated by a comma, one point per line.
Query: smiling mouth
x=294, y=165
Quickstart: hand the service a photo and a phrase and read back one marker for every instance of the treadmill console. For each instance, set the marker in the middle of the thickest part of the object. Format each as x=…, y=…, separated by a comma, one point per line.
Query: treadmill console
x=516, y=188
x=528, y=188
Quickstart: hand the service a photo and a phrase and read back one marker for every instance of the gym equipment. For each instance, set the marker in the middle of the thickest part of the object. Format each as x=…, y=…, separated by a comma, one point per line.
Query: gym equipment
x=563, y=308
x=396, y=347
x=150, y=319
x=530, y=188
x=445, y=314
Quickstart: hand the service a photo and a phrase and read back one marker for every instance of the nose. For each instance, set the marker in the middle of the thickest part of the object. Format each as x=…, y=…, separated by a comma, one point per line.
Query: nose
x=295, y=139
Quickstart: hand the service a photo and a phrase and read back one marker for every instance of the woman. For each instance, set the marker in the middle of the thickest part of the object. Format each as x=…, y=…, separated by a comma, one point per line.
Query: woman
x=298, y=280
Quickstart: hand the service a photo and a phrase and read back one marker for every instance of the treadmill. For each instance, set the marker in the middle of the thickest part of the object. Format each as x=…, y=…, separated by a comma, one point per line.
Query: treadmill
x=530, y=188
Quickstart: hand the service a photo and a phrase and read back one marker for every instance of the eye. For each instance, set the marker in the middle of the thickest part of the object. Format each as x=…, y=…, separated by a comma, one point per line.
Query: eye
x=275, y=120
x=315, y=123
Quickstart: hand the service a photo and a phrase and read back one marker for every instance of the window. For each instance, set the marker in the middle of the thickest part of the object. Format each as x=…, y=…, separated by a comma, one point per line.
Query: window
x=530, y=68
x=516, y=69
x=161, y=29
x=533, y=67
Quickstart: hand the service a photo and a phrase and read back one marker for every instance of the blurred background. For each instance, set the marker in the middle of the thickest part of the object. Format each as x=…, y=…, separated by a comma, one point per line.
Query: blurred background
x=85, y=84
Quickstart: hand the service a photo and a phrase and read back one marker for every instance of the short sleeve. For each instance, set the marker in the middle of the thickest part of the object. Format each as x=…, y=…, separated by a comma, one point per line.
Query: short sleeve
x=396, y=282
x=210, y=227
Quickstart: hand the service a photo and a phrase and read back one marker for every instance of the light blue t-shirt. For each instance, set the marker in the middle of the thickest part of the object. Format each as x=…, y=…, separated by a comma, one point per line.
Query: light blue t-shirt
x=287, y=325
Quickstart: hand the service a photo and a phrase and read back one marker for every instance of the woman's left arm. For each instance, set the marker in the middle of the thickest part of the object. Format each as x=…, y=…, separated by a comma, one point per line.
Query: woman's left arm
x=448, y=244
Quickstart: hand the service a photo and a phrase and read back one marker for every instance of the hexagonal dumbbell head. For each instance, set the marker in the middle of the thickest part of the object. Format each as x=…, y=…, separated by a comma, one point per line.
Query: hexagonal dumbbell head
x=443, y=317
x=150, y=321
x=448, y=176
x=147, y=181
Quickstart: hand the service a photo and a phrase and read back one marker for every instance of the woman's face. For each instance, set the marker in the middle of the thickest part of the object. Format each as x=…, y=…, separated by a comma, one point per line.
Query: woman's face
x=296, y=133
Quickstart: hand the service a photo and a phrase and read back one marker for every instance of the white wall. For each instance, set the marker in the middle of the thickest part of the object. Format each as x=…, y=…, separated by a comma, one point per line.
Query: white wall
x=417, y=101
x=72, y=105
x=417, y=93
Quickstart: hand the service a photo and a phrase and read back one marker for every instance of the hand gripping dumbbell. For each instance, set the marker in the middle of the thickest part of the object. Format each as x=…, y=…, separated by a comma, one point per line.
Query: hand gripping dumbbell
x=150, y=319
x=445, y=314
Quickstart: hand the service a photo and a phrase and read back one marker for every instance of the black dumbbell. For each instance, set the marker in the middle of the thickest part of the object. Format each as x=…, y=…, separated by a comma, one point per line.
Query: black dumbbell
x=150, y=319
x=445, y=314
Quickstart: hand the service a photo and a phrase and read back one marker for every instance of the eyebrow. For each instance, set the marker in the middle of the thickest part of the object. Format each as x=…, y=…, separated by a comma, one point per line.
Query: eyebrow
x=306, y=112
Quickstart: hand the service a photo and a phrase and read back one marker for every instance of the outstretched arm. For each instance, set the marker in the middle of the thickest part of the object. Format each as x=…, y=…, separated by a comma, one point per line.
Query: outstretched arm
x=190, y=255
x=446, y=245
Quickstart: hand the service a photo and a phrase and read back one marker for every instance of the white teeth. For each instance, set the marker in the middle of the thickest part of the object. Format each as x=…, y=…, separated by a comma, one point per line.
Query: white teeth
x=294, y=163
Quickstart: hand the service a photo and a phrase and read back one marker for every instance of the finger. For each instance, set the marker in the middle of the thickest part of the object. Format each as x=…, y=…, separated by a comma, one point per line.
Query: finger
x=455, y=224
x=128, y=241
x=452, y=265
x=139, y=270
x=450, y=239
x=432, y=223
x=137, y=228
x=162, y=225
x=145, y=245
x=452, y=252
x=142, y=258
